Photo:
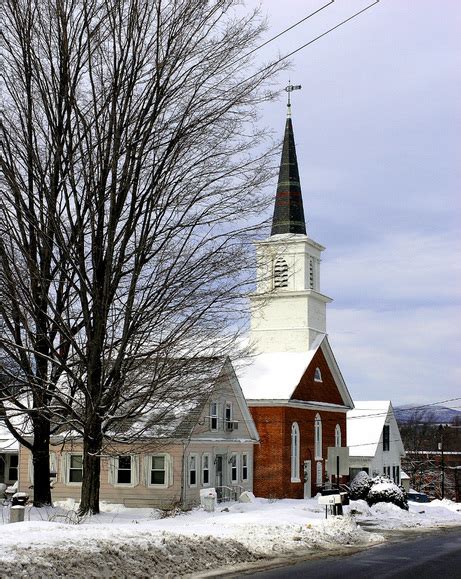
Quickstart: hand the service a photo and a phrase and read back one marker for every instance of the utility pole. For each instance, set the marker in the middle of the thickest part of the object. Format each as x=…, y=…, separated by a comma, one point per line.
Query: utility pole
x=442, y=463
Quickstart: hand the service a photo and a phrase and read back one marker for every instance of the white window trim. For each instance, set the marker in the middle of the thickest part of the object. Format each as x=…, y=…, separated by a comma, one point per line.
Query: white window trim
x=247, y=466
x=338, y=436
x=212, y=415
x=67, y=468
x=189, y=470
x=134, y=470
x=168, y=469
x=53, y=466
x=295, y=453
x=206, y=455
x=235, y=456
x=318, y=437
x=228, y=406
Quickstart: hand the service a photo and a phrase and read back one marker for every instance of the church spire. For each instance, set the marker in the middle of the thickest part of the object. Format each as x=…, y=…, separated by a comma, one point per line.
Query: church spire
x=288, y=210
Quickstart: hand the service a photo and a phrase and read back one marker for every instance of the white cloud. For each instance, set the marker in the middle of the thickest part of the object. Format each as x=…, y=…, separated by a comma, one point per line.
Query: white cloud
x=395, y=271
x=409, y=357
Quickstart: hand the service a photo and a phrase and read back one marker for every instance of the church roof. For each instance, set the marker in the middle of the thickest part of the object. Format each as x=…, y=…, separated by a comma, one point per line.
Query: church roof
x=288, y=211
x=274, y=376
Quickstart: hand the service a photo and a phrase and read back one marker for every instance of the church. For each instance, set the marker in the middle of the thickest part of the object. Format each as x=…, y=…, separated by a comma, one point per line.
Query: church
x=294, y=388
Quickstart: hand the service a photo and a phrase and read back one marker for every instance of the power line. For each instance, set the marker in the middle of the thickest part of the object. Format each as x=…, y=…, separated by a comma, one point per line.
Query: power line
x=281, y=59
x=281, y=33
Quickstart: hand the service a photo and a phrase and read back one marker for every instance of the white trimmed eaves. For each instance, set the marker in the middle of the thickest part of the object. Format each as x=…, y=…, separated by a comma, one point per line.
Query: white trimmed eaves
x=333, y=365
x=241, y=401
x=307, y=405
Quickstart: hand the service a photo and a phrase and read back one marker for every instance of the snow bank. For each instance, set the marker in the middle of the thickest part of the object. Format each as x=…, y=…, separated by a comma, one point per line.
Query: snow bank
x=138, y=542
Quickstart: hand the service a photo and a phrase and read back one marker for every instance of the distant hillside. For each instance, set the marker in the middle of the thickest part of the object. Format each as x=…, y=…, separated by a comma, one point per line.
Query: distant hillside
x=429, y=414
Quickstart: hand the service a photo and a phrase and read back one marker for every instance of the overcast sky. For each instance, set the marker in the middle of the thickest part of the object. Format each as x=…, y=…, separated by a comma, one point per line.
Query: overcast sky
x=377, y=129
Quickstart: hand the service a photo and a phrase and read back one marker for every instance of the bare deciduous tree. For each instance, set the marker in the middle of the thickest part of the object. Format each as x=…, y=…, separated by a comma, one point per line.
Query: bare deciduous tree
x=136, y=161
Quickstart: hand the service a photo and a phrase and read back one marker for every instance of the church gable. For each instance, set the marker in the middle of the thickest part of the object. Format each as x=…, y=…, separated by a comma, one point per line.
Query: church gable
x=318, y=383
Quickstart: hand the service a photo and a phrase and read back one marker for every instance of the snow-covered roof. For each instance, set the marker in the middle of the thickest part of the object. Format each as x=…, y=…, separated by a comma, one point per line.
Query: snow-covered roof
x=275, y=375
x=365, y=426
x=8, y=444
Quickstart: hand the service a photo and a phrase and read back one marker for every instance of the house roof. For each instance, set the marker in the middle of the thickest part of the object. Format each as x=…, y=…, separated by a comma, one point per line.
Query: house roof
x=8, y=444
x=274, y=376
x=365, y=426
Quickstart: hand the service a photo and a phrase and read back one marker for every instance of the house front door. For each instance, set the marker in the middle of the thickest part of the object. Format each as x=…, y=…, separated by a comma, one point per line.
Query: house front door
x=307, y=479
x=219, y=470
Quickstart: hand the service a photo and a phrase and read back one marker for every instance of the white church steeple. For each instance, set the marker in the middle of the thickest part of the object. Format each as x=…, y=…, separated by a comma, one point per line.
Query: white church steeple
x=288, y=310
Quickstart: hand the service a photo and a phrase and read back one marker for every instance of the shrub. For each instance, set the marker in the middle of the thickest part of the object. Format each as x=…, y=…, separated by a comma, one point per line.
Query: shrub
x=385, y=491
x=360, y=486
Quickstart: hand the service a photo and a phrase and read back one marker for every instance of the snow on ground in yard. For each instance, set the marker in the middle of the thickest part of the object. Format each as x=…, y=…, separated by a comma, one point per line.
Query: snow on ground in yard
x=137, y=542
x=388, y=516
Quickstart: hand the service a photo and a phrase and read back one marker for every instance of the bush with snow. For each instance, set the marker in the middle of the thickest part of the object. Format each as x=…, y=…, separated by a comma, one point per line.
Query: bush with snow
x=386, y=491
x=360, y=486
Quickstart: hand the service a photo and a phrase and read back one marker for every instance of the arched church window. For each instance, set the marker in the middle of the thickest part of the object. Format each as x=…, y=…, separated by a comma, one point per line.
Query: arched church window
x=338, y=436
x=280, y=273
x=317, y=375
x=295, y=452
x=318, y=436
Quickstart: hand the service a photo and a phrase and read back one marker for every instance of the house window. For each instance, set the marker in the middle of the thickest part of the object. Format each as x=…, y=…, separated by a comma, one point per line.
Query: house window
x=228, y=414
x=317, y=375
x=214, y=416
x=75, y=474
x=319, y=474
x=123, y=475
x=158, y=470
x=234, y=468
x=338, y=436
x=280, y=273
x=192, y=470
x=386, y=437
x=13, y=467
x=295, y=452
x=318, y=436
x=244, y=467
x=396, y=474
x=205, y=469
x=387, y=471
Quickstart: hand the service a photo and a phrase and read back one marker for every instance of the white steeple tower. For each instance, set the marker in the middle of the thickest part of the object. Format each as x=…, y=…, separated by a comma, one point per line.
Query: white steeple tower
x=288, y=310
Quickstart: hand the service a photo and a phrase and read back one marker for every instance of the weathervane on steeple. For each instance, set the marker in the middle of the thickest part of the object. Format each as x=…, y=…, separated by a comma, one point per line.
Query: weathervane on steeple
x=289, y=89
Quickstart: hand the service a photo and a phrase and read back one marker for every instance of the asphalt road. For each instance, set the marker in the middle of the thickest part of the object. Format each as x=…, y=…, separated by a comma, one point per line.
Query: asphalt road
x=433, y=556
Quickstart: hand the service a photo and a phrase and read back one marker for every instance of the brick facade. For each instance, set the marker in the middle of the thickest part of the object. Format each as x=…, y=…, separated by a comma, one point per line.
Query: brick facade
x=272, y=466
x=324, y=391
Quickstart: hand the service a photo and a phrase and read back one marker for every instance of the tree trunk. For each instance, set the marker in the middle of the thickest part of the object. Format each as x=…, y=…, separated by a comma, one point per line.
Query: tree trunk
x=92, y=446
x=41, y=462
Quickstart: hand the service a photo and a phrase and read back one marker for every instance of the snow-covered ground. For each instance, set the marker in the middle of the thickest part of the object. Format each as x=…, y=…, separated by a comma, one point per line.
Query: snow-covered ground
x=137, y=542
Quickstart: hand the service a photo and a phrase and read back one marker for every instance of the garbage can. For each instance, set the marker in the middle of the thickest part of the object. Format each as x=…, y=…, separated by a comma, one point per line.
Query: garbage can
x=19, y=499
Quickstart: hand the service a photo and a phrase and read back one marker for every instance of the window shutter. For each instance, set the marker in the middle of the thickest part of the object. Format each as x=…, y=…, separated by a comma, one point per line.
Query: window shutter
x=169, y=469
x=135, y=470
x=65, y=468
x=112, y=464
x=146, y=469
x=53, y=462
x=30, y=469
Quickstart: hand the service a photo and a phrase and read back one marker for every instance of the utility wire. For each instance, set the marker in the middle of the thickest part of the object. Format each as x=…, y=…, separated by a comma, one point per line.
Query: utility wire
x=282, y=58
x=281, y=33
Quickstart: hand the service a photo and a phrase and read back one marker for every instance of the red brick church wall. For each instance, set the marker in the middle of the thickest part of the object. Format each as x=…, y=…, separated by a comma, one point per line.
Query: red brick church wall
x=272, y=459
x=324, y=391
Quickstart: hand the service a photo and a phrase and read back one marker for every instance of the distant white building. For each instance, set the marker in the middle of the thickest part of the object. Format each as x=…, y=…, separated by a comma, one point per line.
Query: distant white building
x=374, y=441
